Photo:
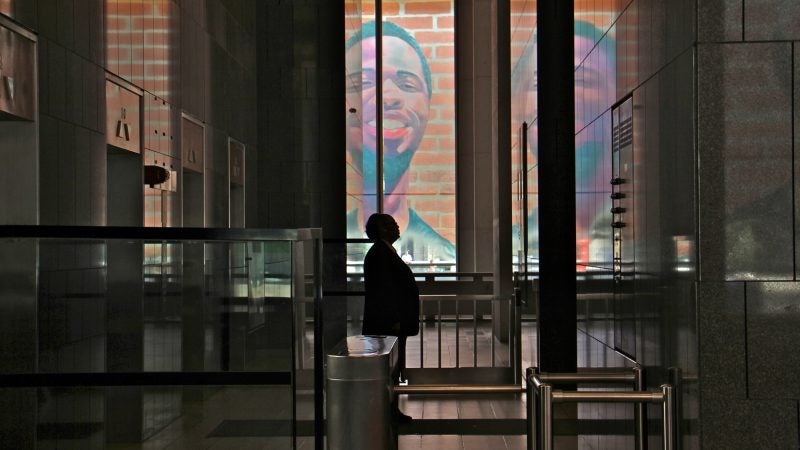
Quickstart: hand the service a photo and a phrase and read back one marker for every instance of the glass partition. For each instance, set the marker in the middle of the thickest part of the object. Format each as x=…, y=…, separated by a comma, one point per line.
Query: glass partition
x=147, y=337
x=401, y=156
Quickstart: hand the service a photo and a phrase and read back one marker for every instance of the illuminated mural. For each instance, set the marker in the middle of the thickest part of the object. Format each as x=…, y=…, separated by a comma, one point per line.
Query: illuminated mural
x=418, y=166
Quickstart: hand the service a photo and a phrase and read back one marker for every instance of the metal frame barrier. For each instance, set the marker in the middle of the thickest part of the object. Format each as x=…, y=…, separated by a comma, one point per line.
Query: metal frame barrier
x=454, y=307
x=541, y=396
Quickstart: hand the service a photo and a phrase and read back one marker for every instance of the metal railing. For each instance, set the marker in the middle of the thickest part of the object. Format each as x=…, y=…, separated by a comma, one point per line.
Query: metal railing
x=541, y=397
x=467, y=335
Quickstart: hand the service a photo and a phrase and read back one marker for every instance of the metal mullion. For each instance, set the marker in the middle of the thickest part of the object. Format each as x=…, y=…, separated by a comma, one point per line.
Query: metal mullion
x=474, y=333
x=458, y=356
x=439, y=322
x=492, y=337
x=421, y=340
x=379, y=103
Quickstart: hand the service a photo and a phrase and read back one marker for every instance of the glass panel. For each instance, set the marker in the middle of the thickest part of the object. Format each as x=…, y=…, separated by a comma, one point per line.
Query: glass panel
x=360, y=169
x=418, y=127
x=524, y=111
x=159, y=310
x=595, y=91
x=419, y=130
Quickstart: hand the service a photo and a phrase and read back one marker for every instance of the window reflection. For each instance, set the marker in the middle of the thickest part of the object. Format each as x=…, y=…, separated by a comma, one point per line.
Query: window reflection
x=595, y=90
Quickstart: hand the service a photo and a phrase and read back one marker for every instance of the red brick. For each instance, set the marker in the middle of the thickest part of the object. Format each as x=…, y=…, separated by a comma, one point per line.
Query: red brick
x=429, y=8
x=448, y=220
x=437, y=204
x=388, y=9
x=517, y=6
x=434, y=159
x=448, y=189
x=351, y=8
x=444, y=68
x=117, y=23
x=523, y=21
x=156, y=41
x=592, y=5
x=447, y=143
x=155, y=69
x=140, y=7
x=151, y=24
x=441, y=176
x=435, y=36
x=446, y=114
x=439, y=128
x=162, y=8
x=445, y=22
x=118, y=54
x=415, y=23
x=445, y=51
x=443, y=98
x=445, y=82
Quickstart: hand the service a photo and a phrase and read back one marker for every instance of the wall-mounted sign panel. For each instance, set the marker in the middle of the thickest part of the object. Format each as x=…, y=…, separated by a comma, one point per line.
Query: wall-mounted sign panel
x=192, y=145
x=236, y=155
x=17, y=76
x=123, y=118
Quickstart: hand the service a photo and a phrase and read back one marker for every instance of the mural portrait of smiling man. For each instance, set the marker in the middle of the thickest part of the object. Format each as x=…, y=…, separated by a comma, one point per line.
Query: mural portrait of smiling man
x=406, y=109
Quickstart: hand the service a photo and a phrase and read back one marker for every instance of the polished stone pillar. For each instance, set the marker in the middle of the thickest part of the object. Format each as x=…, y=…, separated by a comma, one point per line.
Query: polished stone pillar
x=556, y=93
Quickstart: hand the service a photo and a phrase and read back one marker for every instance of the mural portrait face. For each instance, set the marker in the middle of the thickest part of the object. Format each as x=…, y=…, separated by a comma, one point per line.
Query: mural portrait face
x=418, y=193
x=406, y=105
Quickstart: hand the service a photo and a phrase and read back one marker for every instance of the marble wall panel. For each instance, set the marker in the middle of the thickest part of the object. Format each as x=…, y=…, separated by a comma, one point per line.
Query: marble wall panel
x=722, y=340
x=748, y=424
x=719, y=20
x=745, y=154
x=773, y=331
x=771, y=20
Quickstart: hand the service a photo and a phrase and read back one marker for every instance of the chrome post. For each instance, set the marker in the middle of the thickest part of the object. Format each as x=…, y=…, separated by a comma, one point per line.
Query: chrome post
x=546, y=416
x=492, y=333
x=676, y=381
x=439, y=324
x=668, y=416
x=531, y=412
x=475, y=333
x=640, y=411
x=458, y=356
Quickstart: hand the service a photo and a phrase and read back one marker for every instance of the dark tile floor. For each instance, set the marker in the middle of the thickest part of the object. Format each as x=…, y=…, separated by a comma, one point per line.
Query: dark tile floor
x=259, y=417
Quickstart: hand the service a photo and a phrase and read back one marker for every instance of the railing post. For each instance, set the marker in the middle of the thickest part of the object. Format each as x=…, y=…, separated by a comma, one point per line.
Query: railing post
x=530, y=418
x=546, y=416
x=640, y=411
x=668, y=416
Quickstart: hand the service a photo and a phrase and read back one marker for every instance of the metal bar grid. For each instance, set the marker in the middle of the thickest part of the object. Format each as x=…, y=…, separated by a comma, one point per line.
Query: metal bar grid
x=461, y=331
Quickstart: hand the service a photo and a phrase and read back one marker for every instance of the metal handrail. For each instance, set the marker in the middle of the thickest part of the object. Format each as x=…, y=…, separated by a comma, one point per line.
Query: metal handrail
x=437, y=389
x=156, y=234
x=541, y=397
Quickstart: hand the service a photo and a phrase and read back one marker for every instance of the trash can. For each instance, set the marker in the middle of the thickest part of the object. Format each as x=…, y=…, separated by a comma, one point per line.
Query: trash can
x=359, y=393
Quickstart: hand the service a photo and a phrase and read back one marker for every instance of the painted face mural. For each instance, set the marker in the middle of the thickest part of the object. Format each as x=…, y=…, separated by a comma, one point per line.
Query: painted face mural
x=406, y=104
x=406, y=107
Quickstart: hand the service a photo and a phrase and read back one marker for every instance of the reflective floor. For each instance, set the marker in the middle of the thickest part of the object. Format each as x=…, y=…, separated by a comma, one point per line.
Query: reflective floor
x=258, y=418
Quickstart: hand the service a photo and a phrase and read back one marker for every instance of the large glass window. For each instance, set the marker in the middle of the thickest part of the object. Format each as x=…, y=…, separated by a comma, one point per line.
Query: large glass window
x=414, y=137
x=595, y=92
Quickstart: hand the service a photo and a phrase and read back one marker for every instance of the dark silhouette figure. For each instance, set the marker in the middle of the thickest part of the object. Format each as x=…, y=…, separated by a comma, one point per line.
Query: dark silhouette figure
x=391, y=301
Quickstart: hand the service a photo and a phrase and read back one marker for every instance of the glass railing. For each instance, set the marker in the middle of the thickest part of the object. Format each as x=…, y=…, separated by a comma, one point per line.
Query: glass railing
x=145, y=337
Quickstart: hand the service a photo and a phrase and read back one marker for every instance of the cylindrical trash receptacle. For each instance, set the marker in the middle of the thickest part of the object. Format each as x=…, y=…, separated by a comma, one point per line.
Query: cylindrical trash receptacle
x=359, y=393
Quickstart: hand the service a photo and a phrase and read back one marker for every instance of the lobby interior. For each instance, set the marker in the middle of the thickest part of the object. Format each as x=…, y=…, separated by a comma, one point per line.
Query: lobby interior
x=182, y=203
